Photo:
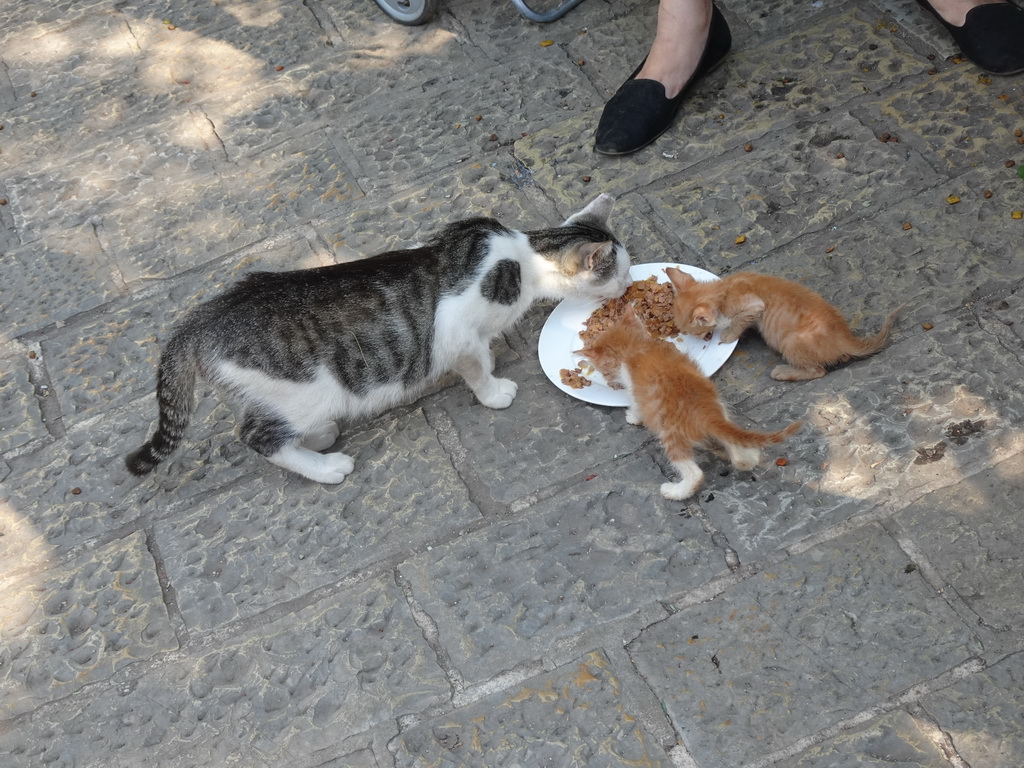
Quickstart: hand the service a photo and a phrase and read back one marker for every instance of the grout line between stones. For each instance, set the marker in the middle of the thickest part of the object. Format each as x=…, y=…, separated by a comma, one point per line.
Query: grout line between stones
x=941, y=738
x=431, y=635
x=910, y=695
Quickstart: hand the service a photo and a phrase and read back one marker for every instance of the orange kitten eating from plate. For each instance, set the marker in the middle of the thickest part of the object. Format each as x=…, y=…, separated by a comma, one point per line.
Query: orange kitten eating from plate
x=671, y=397
x=801, y=325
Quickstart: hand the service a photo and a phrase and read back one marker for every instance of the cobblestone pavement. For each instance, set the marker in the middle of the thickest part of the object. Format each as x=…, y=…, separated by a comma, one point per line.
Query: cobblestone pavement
x=507, y=588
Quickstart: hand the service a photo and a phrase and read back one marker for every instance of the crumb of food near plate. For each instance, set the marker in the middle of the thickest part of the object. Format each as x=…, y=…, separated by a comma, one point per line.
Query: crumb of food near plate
x=574, y=378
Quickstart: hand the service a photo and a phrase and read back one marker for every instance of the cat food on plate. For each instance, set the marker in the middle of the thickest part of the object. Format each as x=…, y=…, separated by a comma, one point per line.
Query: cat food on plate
x=574, y=378
x=573, y=323
x=652, y=302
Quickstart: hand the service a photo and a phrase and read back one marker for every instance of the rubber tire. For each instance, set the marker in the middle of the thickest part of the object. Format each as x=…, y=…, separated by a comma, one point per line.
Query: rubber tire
x=410, y=12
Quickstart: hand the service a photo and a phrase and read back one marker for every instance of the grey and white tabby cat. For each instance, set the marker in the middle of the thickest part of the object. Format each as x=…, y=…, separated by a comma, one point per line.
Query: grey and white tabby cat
x=298, y=350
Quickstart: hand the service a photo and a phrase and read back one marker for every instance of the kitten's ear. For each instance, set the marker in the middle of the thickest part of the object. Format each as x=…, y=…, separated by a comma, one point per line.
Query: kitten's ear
x=630, y=319
x=679, y=279
x=598, y=210
x=592, y=254
x=702, y=315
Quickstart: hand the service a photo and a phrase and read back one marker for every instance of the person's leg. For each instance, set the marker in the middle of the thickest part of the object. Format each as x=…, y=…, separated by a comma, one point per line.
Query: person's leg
x=678, y=43
x=691, y=39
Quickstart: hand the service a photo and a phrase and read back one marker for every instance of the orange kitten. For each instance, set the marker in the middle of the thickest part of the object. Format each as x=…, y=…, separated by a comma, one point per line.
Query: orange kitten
x=793, y=320
x=672, y=398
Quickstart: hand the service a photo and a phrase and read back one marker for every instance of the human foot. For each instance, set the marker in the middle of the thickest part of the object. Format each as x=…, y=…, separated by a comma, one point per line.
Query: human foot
x=641, y=110
x=988, y=32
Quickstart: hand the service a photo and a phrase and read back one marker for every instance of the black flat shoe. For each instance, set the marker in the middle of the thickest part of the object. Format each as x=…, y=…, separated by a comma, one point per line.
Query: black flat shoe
x=639, y=112
x=992, y=36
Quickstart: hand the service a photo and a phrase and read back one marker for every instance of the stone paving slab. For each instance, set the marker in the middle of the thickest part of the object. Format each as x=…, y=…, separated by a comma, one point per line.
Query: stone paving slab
x=889, y=257
x=758, y=91
x=161, y=213
x=963, y=117
x=72, y=492
x=982, y=714
x=506, y=587
x=776, y=658
x=807, y=179
x=523, y=453
x=893, y=739
x=409, y=218
x=229, y=559
x=574, y=715
x=268, y=696
x=596, y=553
x=966, y=534
x=873, y=436
x=71, y=56
x=404, y=144
x=55, y=278
x=108, y=360
x=20, y=419
x=74, y=625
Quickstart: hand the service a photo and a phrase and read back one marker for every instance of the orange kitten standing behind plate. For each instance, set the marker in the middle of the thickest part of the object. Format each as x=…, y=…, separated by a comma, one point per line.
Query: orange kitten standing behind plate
x=672, y=398
x=793, y=320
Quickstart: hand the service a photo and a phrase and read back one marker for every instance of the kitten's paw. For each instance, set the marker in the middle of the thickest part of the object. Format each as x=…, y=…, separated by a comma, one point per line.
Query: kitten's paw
x=745, y=458
x=728, y=337
x=334, y=468
x=499, y=393
x=632, y=417
x=678, y=491
x=322, y=438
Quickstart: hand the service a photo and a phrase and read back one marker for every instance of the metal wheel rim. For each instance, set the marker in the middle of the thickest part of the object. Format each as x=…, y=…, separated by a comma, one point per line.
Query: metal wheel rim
x=404, y=10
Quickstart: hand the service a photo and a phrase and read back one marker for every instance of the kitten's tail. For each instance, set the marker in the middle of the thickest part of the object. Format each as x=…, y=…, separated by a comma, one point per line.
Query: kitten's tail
x=729, y=433
x=175, y=393
x=864, y=347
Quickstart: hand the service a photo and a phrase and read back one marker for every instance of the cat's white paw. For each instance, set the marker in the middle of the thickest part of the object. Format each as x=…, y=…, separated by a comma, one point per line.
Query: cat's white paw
x=632, y=417
x=499, y=393
x=678, y=491
x=322, y=438
x=320, y=467
x=691, y=476
x=334, y=468
x=745, y=458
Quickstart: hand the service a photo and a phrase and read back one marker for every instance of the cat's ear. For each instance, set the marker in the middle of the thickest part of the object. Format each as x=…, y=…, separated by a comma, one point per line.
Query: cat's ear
x=679, y=279
x=598, y=211
x=630, y=319
x=592, y=254
x=702, y=315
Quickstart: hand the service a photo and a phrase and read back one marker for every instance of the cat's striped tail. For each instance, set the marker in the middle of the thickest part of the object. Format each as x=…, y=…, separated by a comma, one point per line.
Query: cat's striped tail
x=728, y=432
x=865, y=347
x=175, y=393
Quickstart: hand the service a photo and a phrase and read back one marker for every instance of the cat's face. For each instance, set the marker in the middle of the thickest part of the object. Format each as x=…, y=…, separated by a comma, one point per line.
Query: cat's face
x=591, y=262
x=692, y=311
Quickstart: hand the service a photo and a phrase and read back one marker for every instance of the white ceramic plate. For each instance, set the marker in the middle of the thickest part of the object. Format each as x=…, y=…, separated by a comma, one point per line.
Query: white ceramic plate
x=560, y=336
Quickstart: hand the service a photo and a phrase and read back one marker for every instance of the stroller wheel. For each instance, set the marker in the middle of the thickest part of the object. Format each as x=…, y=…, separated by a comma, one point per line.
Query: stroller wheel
x=410, y=12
